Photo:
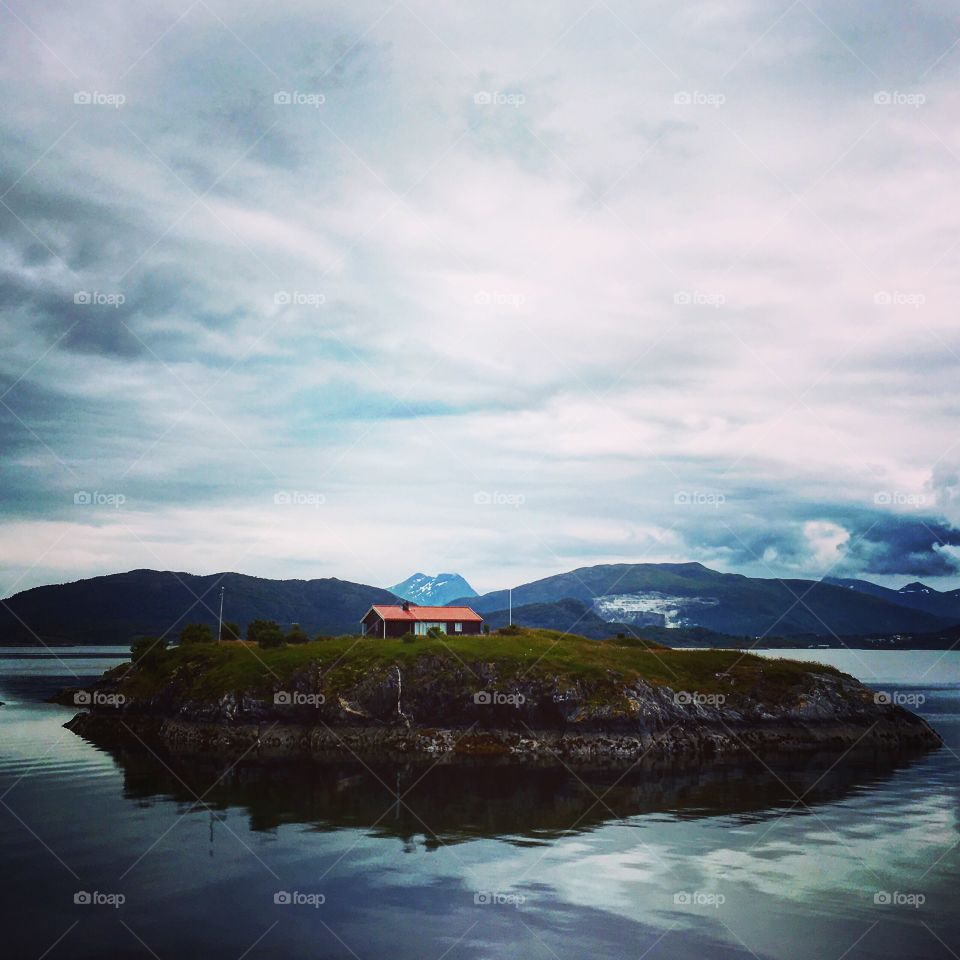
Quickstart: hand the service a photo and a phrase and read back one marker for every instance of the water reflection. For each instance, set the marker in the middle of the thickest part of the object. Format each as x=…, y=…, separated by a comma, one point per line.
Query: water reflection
x=455, y=799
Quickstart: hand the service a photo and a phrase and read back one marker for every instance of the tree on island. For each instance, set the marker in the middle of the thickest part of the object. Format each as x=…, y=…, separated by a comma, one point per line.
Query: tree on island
x=230, y=631
x=266, y=633
x=147, y=651
x=296, y=635
x=196, y=633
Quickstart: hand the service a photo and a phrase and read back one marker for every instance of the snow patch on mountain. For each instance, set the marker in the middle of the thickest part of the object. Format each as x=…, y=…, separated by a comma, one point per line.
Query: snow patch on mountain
x=651, y=608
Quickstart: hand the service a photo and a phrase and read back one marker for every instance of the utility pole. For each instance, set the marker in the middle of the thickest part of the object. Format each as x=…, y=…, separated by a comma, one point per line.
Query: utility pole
x=220, y=622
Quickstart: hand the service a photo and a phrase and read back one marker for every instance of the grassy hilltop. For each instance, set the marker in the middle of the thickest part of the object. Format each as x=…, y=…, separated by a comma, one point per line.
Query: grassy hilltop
x=207, y=671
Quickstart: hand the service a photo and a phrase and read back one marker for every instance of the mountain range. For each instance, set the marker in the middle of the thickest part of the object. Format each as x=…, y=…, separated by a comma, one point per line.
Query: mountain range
x=690, y=594
x=119, y=607
x=687, y=601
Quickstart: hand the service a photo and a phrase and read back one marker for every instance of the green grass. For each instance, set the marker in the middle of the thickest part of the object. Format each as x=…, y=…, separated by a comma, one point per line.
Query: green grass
x=205, y=671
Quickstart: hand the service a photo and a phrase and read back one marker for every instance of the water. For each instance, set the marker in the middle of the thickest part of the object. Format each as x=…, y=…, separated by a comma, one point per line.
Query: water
x=475, y=860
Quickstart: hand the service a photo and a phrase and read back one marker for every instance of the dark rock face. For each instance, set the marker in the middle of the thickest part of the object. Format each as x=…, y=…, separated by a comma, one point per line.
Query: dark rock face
x=431, y=708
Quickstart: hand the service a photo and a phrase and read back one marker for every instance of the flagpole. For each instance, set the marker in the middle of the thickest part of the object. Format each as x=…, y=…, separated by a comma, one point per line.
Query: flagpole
x=220, y=622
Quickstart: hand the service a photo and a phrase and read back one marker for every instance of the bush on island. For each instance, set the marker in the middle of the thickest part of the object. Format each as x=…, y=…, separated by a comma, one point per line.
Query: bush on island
x=266, y=633
x=196, y=633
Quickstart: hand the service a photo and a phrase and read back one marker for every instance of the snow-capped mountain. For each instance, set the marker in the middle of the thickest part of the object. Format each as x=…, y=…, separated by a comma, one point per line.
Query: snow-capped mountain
x=433, y=591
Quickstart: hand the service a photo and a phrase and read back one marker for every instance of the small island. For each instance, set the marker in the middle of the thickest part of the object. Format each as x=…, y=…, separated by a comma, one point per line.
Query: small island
x=519, y=692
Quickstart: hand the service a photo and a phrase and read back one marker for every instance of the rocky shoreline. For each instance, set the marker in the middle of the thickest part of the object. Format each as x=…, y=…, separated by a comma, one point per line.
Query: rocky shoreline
x=473, y=710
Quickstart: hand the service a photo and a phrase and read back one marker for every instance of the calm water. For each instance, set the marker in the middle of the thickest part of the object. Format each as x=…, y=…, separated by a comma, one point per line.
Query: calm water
x=475, y=860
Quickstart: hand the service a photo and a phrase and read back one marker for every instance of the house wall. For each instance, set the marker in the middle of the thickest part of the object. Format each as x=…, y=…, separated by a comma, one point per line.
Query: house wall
x=398, y=628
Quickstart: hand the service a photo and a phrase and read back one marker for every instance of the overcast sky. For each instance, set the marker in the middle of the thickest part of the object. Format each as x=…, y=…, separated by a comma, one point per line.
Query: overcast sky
x=359, y=289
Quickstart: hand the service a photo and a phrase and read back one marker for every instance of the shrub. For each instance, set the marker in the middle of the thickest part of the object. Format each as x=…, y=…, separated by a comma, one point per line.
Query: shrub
x=408, y=638
x=435, y=633
x=196, y=633
x=230, y=631
x=270, y=638
x=266, y=633
x=147, y=651
x=296, y=635
x=486, y=629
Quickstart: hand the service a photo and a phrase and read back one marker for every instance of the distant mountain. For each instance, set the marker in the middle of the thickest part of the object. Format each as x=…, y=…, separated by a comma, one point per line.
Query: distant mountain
x=916, y=596
x=433, y=591
x=690, y=594
x=117, y=608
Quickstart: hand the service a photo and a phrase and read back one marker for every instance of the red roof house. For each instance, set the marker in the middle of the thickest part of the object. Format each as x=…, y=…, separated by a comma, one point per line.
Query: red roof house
x=395, y=621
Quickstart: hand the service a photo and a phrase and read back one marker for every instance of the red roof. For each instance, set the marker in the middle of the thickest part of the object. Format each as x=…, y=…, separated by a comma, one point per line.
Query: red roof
x=437, y=614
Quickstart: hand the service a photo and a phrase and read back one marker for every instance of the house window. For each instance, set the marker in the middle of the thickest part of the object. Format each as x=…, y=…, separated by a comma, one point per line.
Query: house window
x=458, y=628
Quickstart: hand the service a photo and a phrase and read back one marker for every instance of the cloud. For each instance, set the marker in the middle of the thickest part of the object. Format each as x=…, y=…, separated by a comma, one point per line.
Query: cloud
x=696, y=255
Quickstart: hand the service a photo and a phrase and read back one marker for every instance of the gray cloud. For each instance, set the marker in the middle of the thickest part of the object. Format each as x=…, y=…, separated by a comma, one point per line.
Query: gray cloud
x=603, y=296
